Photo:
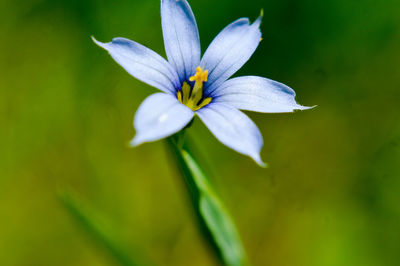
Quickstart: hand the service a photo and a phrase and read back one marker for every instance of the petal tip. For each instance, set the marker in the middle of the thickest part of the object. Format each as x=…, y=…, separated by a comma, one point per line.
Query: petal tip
x=301, y=107
x=258, y=160
x=94, y=39
x=97, y=42
x=136, y=141
x=258, y=21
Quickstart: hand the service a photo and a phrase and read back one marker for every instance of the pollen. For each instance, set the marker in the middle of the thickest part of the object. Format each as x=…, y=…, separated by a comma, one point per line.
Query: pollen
x=194, y=97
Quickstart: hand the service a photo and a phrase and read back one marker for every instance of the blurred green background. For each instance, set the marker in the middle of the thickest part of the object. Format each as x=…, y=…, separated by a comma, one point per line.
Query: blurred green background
x=330, y=196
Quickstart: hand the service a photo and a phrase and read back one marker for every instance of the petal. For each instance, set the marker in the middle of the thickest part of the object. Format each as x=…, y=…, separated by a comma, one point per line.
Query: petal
x=230, y=50
x=181, y=37
x=257, y=94
x=233, y=128
x=142, y=63
x=159, y=116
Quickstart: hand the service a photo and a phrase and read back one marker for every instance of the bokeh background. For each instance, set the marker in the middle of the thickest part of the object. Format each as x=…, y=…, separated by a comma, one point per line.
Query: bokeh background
x=330, y=196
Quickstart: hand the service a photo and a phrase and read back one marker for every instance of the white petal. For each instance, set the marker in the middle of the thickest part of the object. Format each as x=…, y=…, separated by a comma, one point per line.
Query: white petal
x=233, y=128
x=142, y=63
x=230, y=50
x=159, y=116
x=181, y=37
x=257, y=94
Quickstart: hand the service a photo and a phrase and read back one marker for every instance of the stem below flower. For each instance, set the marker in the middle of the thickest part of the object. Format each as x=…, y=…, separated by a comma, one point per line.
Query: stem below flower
x=213, y=218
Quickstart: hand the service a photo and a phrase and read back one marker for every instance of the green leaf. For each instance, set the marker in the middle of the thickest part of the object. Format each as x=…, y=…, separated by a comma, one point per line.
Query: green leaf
x=213, y=217
x=98, y=228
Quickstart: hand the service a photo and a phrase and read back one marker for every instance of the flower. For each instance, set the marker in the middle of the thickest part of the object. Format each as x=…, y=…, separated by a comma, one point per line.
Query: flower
x=194, y=85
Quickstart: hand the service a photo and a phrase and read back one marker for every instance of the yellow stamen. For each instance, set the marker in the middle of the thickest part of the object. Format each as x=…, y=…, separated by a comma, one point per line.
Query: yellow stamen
x=193, y=97
x=179, y=96
x=204, y=102
x=185, y=92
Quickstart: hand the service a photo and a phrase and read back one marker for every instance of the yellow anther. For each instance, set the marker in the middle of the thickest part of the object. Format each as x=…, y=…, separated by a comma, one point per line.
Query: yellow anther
x=193, y=97
x=200, y=76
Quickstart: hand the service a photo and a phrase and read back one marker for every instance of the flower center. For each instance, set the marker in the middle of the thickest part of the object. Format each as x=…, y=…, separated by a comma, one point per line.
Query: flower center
x=193, y=97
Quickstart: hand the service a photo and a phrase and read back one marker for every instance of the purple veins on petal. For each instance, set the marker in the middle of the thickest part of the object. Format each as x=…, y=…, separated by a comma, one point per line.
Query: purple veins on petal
x=234, y=129
x=181, y=37
x=142, y=63
x=257, y=94
x=230, y=50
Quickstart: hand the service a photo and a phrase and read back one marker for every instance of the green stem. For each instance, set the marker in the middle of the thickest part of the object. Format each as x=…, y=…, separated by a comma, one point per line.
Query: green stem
x=213, y=218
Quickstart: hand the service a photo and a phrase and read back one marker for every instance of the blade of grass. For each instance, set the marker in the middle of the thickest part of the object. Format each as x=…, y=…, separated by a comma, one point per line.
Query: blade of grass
x=97, y=228
x=213, y=218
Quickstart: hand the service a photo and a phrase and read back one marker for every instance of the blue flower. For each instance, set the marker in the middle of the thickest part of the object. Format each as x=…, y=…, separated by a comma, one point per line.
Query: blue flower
x=194, y=85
